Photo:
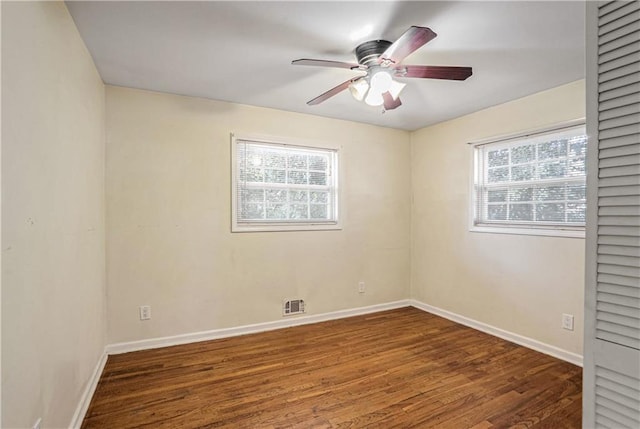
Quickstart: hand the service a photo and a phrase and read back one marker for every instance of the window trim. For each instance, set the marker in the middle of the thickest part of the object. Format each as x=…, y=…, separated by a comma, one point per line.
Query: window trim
x=291, y=225
x=536, y=230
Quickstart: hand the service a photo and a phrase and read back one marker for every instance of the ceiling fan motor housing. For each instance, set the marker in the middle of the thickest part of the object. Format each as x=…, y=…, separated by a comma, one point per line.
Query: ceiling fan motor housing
x=367, y=53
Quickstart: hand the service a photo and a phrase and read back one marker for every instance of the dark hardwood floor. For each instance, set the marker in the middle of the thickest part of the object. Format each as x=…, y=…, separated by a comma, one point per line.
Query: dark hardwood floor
x=395, y=369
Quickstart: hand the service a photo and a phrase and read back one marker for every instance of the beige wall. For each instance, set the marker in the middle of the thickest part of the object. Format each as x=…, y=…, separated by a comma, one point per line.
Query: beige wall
x=168, y=216
x=521, y=284
x=53, y=273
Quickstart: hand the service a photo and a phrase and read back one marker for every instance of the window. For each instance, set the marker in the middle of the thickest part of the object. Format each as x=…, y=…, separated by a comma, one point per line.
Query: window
x=532, y=184
x=280, y=187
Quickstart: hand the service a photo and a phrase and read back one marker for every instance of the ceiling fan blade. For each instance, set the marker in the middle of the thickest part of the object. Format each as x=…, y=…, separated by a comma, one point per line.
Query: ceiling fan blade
x=333, y=91
x=411, y=40
x=435, y=72
x=326, y=63
x=389, y=102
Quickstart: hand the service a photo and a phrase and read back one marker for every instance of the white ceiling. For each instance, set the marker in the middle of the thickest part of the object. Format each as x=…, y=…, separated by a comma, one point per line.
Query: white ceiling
x=241, y=51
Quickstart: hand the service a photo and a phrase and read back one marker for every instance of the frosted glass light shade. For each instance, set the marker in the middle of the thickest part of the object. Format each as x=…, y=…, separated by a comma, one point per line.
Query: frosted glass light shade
x=359, y=89
x=396, y=88
x=374, y=98
x=381, y=82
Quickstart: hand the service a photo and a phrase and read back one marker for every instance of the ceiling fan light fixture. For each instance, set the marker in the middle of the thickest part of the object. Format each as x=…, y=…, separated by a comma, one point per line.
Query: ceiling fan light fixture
x=359, y=88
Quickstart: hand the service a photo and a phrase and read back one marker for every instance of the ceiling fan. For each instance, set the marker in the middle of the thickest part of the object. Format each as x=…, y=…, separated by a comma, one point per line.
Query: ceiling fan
x=381, y=59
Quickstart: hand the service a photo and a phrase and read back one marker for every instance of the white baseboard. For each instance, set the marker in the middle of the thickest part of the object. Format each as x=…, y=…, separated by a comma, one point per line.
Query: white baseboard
x=174, y=340
x=87, y=395
x=556, y=352
x=248, y=329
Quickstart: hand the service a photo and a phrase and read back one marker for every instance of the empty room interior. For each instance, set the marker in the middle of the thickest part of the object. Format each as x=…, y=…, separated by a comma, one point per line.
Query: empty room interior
x=302, y=214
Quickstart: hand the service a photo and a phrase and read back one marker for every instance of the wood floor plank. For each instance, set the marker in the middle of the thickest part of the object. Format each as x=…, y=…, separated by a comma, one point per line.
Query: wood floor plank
x=402, y=368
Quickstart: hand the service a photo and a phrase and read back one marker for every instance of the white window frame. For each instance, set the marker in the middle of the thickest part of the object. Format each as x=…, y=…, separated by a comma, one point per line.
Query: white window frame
x=298, y=225
x=514, y=228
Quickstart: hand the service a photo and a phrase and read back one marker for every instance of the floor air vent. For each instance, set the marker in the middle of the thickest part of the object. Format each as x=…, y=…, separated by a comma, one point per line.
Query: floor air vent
x=295, y=306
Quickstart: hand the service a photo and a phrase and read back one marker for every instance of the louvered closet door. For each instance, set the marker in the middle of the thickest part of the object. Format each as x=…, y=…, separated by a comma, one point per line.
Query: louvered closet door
x=612, y=312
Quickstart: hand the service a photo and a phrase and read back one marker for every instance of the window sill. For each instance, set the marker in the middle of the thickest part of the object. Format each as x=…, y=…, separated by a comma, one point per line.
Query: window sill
x=545, y=232
x=284, y=228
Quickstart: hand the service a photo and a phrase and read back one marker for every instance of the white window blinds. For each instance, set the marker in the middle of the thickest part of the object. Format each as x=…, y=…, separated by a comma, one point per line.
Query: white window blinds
x=283, y=185
x=535, y=181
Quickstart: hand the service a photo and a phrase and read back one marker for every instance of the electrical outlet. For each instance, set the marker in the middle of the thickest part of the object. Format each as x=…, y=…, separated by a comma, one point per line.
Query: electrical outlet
x=361, y=287
x=567, y=322
x=145, y=312
x=38, y=423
